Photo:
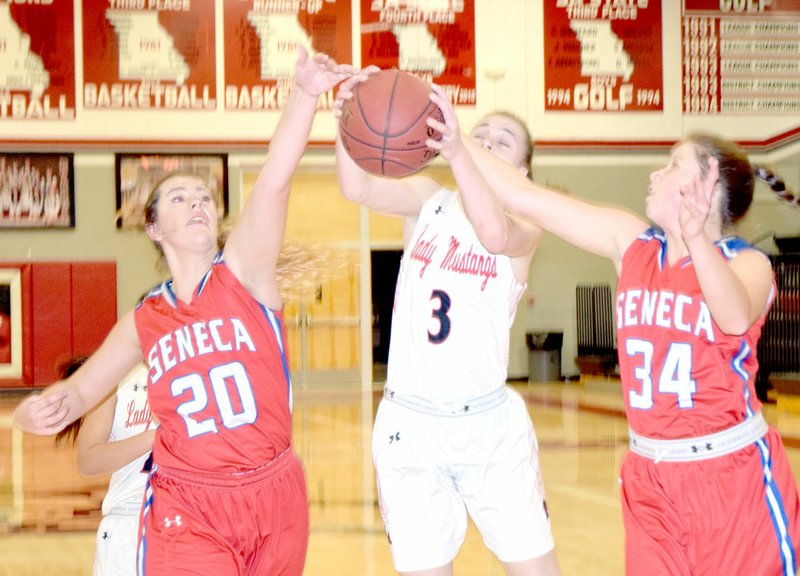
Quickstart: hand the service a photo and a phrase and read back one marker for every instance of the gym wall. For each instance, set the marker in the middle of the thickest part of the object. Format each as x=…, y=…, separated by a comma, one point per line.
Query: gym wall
x=606, y=156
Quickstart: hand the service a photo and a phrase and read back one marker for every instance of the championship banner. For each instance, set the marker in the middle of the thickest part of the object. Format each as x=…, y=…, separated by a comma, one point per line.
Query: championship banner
x=434, y=40
x=149, y=55
x=261, y=40
x=603, y=56
x=741, y=57
x=37, y=60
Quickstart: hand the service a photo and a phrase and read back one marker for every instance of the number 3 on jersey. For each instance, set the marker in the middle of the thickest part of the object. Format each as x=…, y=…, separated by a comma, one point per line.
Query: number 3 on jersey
x=219, y=375
x=440, y=314
x=675, y=377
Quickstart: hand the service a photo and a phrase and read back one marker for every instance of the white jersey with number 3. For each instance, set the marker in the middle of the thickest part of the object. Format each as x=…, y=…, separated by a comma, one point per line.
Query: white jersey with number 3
x=453, y=309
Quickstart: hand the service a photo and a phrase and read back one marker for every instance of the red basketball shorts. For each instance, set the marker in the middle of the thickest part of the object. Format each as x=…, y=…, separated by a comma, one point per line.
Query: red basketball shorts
x=250, y=523
x=733, y=514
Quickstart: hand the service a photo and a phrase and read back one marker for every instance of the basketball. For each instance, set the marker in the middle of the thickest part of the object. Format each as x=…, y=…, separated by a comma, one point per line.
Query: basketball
x=384, y=126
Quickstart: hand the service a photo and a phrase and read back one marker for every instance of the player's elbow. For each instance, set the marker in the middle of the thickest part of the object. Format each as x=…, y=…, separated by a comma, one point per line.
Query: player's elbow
x=87, y=468
x=351, y=193
x=90, y=463
x=736, y=324
x=494, y=238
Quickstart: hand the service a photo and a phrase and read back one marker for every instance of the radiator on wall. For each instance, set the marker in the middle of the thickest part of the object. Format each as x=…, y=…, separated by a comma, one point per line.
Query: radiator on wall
x=597, y=353
x=779, y=347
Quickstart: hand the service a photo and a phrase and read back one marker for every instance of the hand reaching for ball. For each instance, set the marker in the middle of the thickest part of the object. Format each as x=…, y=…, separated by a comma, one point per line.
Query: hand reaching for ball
x=319, y=73
x=345, y=91
x=449, y=144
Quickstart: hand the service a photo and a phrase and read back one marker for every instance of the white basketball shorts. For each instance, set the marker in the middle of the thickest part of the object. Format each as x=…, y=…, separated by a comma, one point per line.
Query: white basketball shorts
x=432, y=470
x=115, y=548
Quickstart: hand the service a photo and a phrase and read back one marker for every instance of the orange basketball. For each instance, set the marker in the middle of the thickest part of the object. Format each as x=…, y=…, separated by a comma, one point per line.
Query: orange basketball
x=384, y=126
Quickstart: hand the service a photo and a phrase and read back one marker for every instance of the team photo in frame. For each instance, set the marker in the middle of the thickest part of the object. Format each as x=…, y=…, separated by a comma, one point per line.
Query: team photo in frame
x=37, y=191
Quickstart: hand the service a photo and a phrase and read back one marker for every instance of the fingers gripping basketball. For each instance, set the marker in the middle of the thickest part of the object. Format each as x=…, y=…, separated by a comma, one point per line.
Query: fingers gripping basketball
x=384, y=126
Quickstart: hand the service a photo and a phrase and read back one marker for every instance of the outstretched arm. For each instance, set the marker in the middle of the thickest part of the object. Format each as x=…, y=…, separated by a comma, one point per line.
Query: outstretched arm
x=255, y=242
x=53, y=409
x=603, y=230
x=498, y=231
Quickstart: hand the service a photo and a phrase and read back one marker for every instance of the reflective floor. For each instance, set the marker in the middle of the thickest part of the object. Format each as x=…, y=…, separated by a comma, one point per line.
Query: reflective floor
x=48, y=513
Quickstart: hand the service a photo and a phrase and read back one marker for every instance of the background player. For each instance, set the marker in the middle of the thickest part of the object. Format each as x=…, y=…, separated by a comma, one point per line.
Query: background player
x=448, y=433
x=116, y=438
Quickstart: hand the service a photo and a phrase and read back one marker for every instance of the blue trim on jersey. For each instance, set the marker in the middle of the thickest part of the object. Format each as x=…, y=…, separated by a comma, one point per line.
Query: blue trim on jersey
x=773, y=498
x=165, y=288
x=217, y=260
x=736, y=365
x=277, y=328
x=730, y=246
x=656, y=233
x=169, y=295
x=148, y=504
x=203, y=282
x=777, y=512
x=154, y=292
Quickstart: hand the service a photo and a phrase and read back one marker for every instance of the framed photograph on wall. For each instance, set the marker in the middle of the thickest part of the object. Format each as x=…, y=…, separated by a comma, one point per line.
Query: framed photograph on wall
x=37, y=191
x=137, y=174
x=10, y=324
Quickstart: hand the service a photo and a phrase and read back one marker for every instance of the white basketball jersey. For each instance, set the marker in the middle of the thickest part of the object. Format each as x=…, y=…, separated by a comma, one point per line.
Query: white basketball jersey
x=131, y=416
x=453, y=309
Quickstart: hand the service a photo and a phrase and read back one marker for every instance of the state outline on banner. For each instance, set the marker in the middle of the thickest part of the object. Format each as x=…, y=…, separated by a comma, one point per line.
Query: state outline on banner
x=602, y=51
x=419, y=50
x=142, y=56
x=278, y=36
x=32, y=77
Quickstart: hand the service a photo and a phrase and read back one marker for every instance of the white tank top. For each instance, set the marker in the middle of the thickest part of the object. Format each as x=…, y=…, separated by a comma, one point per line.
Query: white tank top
x=131, y=416
x=453, y=309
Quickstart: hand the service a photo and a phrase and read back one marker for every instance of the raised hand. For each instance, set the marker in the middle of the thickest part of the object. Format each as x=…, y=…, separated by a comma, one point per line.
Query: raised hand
x=450, y=143
x=346, y=88
x=696, y=201
x=319, y=73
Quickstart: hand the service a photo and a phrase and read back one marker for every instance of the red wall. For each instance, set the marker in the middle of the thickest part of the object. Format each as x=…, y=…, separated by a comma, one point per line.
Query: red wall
x=67, y=310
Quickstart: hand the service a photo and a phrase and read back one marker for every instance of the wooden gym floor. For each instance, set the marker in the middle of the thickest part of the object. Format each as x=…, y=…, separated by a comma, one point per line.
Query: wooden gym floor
x=48, y=513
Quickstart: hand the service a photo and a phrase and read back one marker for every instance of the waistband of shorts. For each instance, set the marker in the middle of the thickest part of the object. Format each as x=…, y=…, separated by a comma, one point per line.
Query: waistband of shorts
x=125, y=509
x=461, y=407
x=230, y=479
x=701, y=447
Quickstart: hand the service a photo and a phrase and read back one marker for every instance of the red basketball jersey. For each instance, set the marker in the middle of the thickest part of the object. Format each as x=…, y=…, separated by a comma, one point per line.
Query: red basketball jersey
x=219, y=376
x=681, y=376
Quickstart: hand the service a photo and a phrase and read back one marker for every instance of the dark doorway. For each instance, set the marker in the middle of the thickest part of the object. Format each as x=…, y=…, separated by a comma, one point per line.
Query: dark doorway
x=385, y=266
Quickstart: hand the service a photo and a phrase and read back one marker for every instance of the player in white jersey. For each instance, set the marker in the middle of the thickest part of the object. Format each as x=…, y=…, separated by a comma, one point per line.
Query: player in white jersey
x=116, y=438
x=449, y=434
x=448, y=280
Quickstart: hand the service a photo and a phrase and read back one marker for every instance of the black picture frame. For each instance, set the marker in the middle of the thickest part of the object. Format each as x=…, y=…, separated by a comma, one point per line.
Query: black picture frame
x=37, y=190
x=137, y=173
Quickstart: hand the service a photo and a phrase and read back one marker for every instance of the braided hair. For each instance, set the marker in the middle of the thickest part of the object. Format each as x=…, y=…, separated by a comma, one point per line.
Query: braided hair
x=776, y=184
x=736, y=176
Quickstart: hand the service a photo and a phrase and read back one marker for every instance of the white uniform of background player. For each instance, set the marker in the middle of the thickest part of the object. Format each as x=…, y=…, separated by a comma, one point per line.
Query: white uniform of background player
x=115, y=550
x=449, y=434
x=115, y=438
